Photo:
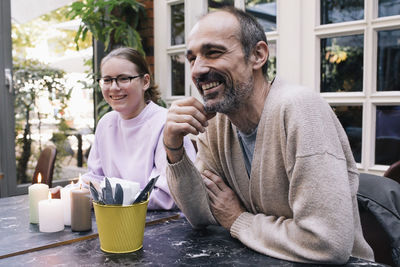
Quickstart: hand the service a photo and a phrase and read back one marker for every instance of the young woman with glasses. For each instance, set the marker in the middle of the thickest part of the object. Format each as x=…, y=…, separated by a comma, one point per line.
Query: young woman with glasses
x=128, y=140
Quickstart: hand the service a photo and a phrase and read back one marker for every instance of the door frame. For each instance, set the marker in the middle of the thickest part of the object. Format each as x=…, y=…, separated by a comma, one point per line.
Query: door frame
x=8, y=184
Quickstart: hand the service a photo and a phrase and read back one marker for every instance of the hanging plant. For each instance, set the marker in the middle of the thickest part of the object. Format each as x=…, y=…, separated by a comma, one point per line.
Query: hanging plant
x=112, y=22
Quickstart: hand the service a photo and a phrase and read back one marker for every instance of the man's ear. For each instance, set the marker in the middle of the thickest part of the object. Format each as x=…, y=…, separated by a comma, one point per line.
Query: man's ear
x=146, y=81
x=260, y=55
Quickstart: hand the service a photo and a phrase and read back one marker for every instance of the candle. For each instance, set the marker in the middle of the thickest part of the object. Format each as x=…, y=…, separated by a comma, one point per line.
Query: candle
x=66, y=200
x=36, y=193
x=51, y=215
x=81, y=213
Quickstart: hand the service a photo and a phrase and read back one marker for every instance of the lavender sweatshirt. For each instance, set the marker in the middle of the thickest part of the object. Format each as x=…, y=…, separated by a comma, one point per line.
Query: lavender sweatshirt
x=133, y=150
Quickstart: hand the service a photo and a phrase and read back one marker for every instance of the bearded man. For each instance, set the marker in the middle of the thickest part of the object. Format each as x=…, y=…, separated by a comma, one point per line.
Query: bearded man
x=274, y=165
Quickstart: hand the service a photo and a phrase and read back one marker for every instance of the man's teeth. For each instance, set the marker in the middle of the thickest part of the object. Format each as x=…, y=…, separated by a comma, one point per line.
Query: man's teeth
x=117, y=97
x=210, y=85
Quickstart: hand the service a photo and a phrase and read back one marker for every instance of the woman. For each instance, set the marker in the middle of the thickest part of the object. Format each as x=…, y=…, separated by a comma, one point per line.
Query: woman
x=128, y=141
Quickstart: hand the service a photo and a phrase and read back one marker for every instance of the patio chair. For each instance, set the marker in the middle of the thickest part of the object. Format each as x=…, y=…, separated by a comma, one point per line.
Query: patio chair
x=379, y=205
x=45, y=165
x=393, y=172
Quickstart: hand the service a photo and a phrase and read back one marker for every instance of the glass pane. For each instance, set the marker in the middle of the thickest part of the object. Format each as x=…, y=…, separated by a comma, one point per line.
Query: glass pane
x=215, y=4
x=264, y=11
x=387, y=142
x=342, y=63
x=178, y=74
x=177, y=24
x=351, y=119
x=389, y=8
x=388, y=61
x=53, y=93
x=271, y=60
x=335, y=11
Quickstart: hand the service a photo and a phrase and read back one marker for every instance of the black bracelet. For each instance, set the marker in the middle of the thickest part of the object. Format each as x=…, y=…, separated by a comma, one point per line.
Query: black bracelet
x=173, y=148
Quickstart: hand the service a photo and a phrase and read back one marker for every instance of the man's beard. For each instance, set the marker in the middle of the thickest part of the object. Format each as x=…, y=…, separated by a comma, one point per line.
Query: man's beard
x=233, y=97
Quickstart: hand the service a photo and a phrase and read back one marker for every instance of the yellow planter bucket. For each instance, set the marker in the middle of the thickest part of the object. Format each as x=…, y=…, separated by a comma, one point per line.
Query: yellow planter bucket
x=121, y=228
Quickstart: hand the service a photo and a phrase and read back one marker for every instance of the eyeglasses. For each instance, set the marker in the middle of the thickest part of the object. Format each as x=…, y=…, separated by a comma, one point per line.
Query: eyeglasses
x=121, y=80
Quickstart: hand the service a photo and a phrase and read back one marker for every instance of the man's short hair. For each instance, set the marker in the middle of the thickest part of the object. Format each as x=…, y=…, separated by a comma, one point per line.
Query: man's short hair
x=251, y=32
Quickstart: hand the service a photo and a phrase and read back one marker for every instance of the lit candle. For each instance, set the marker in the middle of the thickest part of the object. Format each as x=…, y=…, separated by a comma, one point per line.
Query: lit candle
x=66, y=200
x=81, y=214
x=51, y=215
x=36, y=193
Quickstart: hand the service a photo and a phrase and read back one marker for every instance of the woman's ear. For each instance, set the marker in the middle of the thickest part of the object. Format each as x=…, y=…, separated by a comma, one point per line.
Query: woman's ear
x=260, y=55
x=146, y=82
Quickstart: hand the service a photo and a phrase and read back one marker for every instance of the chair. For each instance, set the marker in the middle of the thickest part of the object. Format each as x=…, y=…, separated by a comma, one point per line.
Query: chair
x=393, y=172
x=379, y=205
x=45, y=165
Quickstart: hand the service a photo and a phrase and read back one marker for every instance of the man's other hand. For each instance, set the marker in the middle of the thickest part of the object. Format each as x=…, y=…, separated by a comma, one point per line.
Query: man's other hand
x=225, y=205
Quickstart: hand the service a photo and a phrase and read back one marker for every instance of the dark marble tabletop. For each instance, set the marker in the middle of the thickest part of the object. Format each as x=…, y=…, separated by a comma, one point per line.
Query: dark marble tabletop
x=171, y=243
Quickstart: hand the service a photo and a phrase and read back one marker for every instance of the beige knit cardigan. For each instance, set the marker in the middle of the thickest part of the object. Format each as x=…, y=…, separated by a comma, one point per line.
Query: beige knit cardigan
x=301, y=194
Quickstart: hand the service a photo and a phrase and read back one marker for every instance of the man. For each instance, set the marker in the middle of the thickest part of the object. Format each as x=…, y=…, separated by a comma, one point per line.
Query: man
x=274, y=165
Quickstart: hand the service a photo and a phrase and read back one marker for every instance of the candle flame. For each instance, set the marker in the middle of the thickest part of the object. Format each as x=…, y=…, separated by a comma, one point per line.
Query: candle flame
x=49, y=196
x=39, y=178
x=72, y=182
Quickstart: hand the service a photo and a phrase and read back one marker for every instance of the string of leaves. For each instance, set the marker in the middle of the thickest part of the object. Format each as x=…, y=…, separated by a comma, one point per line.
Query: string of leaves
x=110, y=21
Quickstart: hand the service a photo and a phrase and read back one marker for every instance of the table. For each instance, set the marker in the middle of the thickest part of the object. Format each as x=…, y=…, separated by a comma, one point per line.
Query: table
x=171, y=242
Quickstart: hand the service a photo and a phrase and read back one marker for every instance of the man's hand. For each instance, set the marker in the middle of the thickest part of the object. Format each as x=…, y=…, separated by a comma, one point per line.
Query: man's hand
x=225, y=205
x=184, y=116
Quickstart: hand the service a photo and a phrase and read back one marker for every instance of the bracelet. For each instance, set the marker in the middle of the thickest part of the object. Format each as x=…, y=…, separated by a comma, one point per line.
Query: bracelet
x=173, y=148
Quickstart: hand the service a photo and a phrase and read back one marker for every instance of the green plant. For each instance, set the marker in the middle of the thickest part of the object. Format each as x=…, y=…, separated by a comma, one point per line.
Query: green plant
x=110, y=21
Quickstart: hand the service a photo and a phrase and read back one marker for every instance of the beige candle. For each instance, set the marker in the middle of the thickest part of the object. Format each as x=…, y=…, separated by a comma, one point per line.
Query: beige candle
x=81, y=214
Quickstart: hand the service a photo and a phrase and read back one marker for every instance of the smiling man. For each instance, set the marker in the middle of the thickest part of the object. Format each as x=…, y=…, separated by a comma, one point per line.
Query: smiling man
x=266, y=169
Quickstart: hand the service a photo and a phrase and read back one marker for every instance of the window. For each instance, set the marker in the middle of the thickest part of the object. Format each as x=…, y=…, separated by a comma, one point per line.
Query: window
x=359, y=75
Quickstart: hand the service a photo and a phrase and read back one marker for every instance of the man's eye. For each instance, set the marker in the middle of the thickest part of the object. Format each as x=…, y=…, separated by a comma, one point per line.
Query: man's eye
x=214, y=53
x=106, y=80
x=191, y=59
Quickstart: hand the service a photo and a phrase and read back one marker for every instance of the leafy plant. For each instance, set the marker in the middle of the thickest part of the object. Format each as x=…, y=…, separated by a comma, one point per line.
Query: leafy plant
x=110, y=21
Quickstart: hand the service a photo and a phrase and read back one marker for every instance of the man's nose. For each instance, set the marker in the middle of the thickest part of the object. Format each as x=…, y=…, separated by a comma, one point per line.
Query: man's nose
x=199, y=68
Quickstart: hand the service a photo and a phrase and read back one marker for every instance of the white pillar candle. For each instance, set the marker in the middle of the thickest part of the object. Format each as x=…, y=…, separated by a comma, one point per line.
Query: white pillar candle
x=36, y=193
x=51, y=215
x=66, y=200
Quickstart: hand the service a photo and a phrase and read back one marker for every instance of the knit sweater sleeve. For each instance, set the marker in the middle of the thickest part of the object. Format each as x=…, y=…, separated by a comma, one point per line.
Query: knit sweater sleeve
x=188, y=190
x=317, y=221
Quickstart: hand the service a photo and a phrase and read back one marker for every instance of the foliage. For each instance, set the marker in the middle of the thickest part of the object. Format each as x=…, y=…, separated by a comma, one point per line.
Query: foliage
x=30, y=34
x=33, y=80
x=109, y=21
x=341, y=67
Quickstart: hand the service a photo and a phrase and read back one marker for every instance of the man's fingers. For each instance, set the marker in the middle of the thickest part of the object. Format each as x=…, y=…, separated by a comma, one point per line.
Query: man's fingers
x=186, y=119
x=216, y=179
x=210, y=185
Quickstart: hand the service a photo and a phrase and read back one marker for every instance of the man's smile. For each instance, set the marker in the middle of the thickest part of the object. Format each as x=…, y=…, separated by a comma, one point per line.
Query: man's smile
x=210, y=85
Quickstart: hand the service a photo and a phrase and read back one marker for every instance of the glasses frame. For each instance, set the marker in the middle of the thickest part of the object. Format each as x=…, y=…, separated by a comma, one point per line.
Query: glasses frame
x=101, y=84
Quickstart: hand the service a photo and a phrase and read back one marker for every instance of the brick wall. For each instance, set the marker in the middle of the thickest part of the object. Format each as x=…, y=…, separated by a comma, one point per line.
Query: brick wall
x=146, y=31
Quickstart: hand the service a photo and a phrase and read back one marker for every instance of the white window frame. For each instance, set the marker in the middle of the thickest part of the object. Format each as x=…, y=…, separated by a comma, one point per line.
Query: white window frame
x=312, y=31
